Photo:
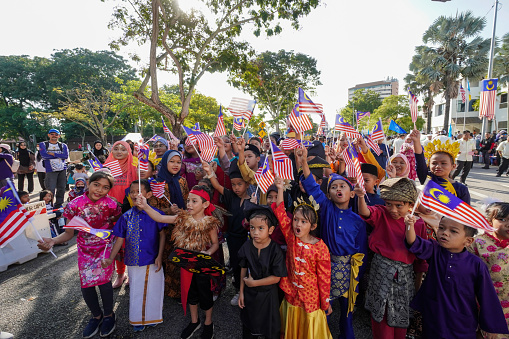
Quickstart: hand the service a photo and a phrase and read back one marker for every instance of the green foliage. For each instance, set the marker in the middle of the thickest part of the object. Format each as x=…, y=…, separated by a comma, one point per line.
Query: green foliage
x=362, y=101
x=273, y=80
x=396, y=107
x=501, y=64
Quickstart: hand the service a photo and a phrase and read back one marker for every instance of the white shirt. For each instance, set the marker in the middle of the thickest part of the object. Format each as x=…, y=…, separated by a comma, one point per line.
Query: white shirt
x=396, y=146
x=503, y=148
x=466, y=147
x=39, y=166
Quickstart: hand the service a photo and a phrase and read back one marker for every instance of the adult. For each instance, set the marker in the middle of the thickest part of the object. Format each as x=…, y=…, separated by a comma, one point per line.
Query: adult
x=427, y=140
x=160, y=147
x=26, y=168
x=503, y=151
x=6, y=161
x=100, y=150
x=396, y=145
x=54, y=155
x=191, y=165
x=465, y=156
x=40, y=169
x=486, y=149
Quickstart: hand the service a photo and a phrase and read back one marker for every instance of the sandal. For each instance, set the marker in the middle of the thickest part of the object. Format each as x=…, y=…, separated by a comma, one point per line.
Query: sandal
x=119, y=281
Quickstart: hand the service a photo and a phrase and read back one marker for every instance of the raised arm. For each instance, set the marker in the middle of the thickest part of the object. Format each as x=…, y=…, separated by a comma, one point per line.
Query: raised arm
x=213, y=178
x=141, y=202
x=410, y=229
x=361, y=202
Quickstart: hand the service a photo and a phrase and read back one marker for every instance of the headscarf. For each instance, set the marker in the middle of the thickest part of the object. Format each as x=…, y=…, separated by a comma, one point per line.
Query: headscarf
x=98, y=152
x=24, y=156
x=171, y=179
x=405, y=159
x=208, y=211
x=162, y=140
x=128, y=166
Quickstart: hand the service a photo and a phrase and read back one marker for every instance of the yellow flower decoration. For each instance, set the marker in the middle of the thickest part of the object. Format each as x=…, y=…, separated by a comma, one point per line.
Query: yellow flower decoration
x=452, y=148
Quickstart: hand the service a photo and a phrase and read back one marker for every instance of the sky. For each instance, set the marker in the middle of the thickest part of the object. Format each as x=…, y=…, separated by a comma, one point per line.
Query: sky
x=353, y=41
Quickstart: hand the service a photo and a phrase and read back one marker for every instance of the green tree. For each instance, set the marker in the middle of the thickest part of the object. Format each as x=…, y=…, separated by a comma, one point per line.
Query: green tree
x=273, y=80
x=362, y=101
x=457, y=50
x=194, y=42
x=501, y=64
x=396, y=107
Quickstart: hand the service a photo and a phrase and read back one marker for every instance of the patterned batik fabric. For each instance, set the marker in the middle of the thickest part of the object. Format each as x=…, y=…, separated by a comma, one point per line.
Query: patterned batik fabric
x=390, y=288
x=340, y=275
x=132, y=247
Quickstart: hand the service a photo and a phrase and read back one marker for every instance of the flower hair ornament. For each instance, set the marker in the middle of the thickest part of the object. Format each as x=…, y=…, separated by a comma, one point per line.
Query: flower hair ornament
x=312, y=204
x=451, y=148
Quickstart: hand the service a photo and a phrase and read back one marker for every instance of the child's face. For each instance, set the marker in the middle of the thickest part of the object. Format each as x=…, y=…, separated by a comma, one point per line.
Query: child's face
x=196, y=205
x=134, y=190
x=251, y=160
x=147, y=174
x=400, y=166
x=440, y=165
x=239, y=187
x=340, y=192
x=370, y=181
x=451, y=235
x=190, y=149
x=48, y=198
x=80, y=170
x=259, y=230
x=174, y=165
x=98, y=189
x=120, y=152
x=271, y=197
x=301, y=226
x=397, y=209
x=256, y=143
x=80, y=184
x=25, y=199
x=501, y=227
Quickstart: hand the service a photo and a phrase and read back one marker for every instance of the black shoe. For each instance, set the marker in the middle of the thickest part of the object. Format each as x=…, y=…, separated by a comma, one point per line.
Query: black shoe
x=92, y=327
x=108, y=326
x=208, y=332
x=498, y=175
x=485, y=167
x=190, y=330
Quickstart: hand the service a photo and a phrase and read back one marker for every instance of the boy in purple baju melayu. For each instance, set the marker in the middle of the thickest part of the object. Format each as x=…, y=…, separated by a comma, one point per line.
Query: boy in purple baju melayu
x=457, y=295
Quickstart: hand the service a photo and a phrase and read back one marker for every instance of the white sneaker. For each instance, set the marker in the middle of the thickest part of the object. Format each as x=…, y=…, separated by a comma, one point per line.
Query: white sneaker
x=6, y=335
x=235, y=300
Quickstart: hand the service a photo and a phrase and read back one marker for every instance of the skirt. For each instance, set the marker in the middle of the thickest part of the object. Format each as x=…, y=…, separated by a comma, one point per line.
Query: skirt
x=296, y=323
x=146, y=288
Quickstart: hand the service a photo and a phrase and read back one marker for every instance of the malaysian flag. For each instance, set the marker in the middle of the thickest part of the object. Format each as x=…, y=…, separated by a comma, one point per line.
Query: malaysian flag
x=414, y=111
x=157, y=188
x=220, y=130
x=281, y=163
x=437, y=199
x=78, y=223
x=352, y=163
x=487, y=98
x=322, y=127
x=238, y=123
x=153, y=138
x=378, y=131
x=463, y=94
x=207, y=146
x=300, y=122
x=95, y=163
x=165, y=128
x=361, y=115
x=345, y=127
x=264, y=176
x=114, y=167
x=13, y=216
x=242, y=108
x=306, y=105
x=289, y=143
x=373, y=145
x=143, y=152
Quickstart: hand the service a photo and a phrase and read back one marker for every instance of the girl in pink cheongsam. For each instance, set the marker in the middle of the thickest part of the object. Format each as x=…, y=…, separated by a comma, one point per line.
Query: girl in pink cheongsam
x=100, y=212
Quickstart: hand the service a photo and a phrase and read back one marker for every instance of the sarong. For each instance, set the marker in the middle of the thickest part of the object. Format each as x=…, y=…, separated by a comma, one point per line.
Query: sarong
x=146, y=295
x=297, y=324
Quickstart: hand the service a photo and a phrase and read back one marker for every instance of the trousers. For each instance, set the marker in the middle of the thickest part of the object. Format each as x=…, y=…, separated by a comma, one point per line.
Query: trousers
x=465, y=166
x=92, y=300
x=55, y=181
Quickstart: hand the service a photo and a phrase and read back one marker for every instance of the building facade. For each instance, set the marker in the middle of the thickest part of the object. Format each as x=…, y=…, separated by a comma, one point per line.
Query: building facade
x=383, y=88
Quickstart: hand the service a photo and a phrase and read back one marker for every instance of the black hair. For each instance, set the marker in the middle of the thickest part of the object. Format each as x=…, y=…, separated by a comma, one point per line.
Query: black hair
x=262, y=217
x=205, y=182
x=203, y=188
x=152, y=166
x=96, y=176
x=308, y=213
x=43, y=193
x=22, y=193
x=257, y=139
x=143, y=182
x=450, y=156
x=469, y=231
x=497, y=210
x=79, y=166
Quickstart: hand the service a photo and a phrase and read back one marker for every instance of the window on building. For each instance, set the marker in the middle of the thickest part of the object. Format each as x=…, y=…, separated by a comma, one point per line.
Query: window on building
x=460, y=107
x=440, y=110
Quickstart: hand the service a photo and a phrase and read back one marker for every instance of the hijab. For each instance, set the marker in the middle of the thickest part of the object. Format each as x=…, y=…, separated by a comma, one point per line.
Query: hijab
x=24, y=156
x=171, y=179
x=405, y=159
x=102, y=151
x=128, y=167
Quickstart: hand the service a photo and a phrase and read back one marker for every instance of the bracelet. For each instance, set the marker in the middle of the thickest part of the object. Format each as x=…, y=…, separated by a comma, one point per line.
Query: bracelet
x=212, y=175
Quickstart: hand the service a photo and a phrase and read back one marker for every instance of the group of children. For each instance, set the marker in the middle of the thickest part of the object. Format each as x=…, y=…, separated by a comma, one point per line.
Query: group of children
x=313, y=240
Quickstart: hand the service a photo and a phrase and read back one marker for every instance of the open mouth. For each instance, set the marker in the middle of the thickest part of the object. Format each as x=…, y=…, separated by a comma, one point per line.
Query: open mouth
x=443, y=239
x=339, y=195
x=297, y=230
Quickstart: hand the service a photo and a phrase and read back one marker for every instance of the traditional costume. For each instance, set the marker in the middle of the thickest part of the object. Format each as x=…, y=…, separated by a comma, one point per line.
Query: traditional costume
x=456, y=286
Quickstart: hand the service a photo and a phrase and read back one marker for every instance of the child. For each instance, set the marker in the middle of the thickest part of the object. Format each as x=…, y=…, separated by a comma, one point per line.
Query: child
x=344, y=233
x=493, y=249
x=391, y=285
x=195, y=229
x=78, y=190
x=80, y=172
x=262, y=265
x=144, y=247
x=100, y=212
x=24, y=197
x=47, y=197
x=457, y=295
x=370, y=175
x=237, y=235
x=307, y=287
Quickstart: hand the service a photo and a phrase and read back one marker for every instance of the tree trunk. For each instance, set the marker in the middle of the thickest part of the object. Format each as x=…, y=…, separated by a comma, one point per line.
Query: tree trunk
x=429, y=109
x=447, y=109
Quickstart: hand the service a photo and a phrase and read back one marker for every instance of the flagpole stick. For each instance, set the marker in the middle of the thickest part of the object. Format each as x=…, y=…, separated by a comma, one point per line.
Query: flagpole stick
x=15, y=193
x=415, y=205
x=105, y=247
x=167, y=199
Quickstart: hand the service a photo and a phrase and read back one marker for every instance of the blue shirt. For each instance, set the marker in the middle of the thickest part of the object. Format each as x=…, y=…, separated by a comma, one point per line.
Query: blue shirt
x=141, y=235
x=343, y=231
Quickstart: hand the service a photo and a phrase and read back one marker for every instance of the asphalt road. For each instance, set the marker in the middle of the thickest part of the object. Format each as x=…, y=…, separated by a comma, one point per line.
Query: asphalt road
x=42, y=299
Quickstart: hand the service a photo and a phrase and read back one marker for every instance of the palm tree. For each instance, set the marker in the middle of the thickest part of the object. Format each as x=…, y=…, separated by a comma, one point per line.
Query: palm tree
x=501, y=65
x=457, y=50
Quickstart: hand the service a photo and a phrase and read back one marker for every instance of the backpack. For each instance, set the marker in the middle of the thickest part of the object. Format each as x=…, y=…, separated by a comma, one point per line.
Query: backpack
x=46, y=144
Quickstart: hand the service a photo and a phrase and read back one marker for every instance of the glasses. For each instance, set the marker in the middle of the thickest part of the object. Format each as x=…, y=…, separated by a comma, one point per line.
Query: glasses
x=22, y=145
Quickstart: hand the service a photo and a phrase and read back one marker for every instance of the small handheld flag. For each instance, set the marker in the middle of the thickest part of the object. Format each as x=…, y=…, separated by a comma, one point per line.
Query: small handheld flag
x=378, y=132
x=343, y=126
x=361, y=115
x=463, y=94
x=114, y=167
x=80, y=224
x=242, y=108
x=220, y=130
x=353, y=165
x=207, y=146
x=143, y=154
x=165, y=128
x=396, y=128
x=281, y=163
x=414, y=110
x=95, y=163
x=373, y=145
x=13, y=216
x=299, y=121
x=238, y=123
x=306, y=105
x=157, y=188
x=264, y=176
